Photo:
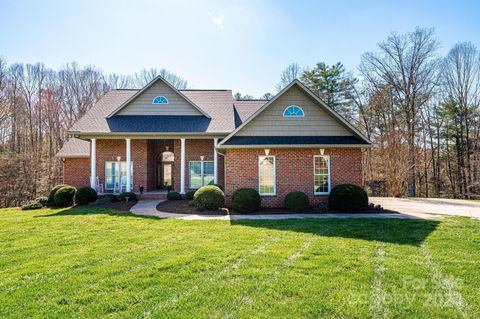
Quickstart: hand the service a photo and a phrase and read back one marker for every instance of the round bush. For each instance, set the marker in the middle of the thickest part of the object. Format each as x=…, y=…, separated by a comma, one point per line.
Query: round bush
x=209, y=198
x=53, y=191
x=130, y=195
x=348, y=198
x=85, y=195
x=42, y=200
x=174, y=196
x=34, y=204
x=297, y=202
x=218, y=185
x=189, y=195
x=64, y=196
x=246, y=200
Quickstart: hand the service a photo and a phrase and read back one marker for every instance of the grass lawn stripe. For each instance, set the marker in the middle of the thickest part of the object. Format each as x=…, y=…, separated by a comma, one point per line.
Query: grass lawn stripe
x=448, y=294
x=205, y=280
x=378, y=307
x=245, y=301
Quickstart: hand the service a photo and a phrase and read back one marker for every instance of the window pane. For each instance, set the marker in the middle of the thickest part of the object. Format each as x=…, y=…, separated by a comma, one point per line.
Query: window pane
x=195, y=175
x=208, y=168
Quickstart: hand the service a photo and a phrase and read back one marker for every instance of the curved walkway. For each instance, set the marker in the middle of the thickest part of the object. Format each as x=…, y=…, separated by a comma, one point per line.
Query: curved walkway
x=149, y=208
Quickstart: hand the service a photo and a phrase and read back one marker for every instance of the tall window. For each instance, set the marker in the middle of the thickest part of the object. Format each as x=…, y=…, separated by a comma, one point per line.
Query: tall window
x=113, y=174
x=201, y=174
x=266, y=175
x=321, y=174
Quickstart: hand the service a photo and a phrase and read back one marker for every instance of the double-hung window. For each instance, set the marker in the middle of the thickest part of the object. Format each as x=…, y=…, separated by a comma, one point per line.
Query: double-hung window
x=321, y=174
x=201, y=174
x=115, y=173
x=266, y=175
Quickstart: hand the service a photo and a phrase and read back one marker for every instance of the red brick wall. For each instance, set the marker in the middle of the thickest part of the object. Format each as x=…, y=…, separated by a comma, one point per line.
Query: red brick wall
x=76, y=172
x=108, y=150
x=294, y=171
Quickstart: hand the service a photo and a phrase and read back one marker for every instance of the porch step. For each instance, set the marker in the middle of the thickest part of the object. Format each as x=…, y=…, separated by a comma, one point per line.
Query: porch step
x=152, y=196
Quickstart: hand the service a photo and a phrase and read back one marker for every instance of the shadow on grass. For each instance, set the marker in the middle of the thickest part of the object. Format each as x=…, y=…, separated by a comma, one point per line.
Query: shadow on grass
x=397, y=231
x=85, y=210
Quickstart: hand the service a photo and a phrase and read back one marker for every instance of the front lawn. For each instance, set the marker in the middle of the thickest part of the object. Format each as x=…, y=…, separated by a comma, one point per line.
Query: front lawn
x=93, y=262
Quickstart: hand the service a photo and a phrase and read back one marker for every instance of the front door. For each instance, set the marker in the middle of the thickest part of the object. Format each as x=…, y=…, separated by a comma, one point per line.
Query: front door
x=164, y=175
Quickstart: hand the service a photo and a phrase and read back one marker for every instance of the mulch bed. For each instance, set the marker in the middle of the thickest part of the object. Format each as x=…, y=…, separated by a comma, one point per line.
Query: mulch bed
x=181, y=207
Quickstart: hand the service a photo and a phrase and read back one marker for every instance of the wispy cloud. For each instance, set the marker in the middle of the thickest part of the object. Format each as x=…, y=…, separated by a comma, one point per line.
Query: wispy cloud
x=218, y=20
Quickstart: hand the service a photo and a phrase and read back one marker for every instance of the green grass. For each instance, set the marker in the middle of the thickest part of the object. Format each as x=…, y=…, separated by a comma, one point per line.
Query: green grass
x=92, y=263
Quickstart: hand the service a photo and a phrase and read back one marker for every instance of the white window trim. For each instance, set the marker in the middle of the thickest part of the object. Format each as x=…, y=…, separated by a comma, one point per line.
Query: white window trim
x=293, y=115
x=202, y=175
x=274, y=175
x=329, y=173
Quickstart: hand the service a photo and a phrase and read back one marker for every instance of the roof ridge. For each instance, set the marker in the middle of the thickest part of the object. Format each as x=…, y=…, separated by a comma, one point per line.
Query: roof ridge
x=223, y=90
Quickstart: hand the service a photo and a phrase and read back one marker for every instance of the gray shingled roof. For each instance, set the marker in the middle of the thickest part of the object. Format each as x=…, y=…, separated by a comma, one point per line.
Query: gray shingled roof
x=245, y=108
x=217, y=103
x=75, y=147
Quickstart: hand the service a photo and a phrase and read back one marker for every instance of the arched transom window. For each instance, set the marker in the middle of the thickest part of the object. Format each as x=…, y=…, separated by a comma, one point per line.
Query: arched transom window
x=293, y=111
x=167, y=156
x=160, y=100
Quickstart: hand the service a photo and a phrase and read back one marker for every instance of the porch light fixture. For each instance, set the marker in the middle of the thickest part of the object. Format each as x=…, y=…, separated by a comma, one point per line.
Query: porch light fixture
x=119, y=158
x=267, y=151
x=202, y=157
x=322, y=150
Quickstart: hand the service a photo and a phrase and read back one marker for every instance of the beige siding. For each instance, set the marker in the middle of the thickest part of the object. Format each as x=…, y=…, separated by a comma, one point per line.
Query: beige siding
x=142, y=104
x=317, y=122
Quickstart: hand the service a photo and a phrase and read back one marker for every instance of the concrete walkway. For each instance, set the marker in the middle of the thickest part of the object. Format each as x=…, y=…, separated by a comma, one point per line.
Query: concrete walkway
x=148, y=208
x=452, y=207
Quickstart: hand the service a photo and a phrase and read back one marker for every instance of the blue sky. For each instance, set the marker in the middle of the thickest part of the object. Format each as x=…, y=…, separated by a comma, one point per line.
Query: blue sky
x=240, y=45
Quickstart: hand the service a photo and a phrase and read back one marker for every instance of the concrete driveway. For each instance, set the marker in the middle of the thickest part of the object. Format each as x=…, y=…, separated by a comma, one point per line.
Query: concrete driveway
x=454, y=207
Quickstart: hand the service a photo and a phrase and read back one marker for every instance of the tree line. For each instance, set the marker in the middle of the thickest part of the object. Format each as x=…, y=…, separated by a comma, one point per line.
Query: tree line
x=37, y=106
x=420, y=109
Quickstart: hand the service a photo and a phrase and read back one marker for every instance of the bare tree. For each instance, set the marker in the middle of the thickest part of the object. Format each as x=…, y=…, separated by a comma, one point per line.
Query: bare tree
x=290, y=73
x=407, y=64
x=461, y=79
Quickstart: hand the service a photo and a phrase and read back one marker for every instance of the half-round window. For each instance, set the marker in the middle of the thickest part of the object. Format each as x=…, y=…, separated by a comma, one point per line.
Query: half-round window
x=160, y=100
x=293, y=111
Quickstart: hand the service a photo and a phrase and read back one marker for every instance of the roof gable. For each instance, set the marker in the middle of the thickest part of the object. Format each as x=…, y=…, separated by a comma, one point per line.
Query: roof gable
x=141, y=103
x=319, y=120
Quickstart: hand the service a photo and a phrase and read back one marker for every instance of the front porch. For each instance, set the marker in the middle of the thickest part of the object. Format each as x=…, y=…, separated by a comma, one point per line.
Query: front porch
x=156, y=165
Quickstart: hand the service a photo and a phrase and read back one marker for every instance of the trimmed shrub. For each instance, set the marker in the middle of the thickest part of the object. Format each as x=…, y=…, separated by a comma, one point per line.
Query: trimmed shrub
x=348, y=198
x=209, y=198
x=297, y=202
x=85, y=195
x=42, y=200
x=130, y=195
x=246, y=200
x=53, y=191
x=189, y=195
x=64, y=196
x=174, y=196
x=34, y=204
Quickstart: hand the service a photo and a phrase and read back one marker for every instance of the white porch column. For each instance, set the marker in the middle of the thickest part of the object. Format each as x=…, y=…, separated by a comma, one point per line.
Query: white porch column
x=128, y=187
x=182, y=166
x=215, y=161
x=93, y=163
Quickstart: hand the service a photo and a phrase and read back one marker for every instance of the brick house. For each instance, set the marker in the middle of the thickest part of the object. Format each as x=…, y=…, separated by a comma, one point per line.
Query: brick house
x=160, y=137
